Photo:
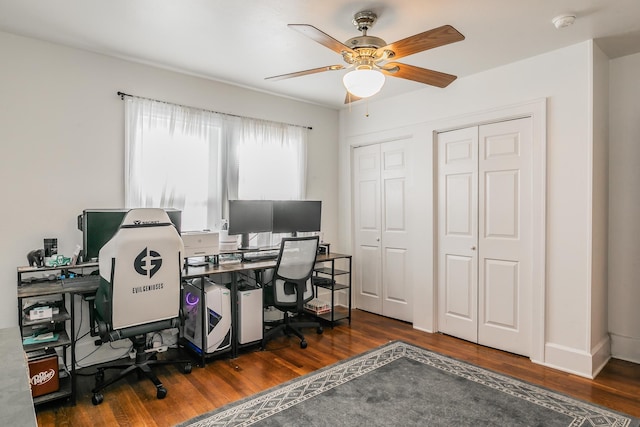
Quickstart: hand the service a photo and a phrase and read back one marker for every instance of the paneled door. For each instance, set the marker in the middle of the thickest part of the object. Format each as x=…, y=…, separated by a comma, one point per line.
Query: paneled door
x=381, y=267
x=458, y=233
x=485, y=234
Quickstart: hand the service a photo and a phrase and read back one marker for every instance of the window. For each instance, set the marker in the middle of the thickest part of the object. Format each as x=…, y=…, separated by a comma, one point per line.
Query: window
x=195, y=160
x=271, y=161
x=172, y=161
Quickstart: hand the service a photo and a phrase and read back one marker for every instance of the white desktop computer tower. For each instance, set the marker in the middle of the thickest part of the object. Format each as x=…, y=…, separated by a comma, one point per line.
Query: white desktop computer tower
x=217, y=303
x=249, y=315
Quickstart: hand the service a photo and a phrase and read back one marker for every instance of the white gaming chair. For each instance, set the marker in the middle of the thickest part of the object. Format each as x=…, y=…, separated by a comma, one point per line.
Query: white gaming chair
x=139, y=291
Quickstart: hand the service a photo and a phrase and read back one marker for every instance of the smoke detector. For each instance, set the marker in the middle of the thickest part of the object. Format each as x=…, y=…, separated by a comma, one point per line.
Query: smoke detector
x=563, y=21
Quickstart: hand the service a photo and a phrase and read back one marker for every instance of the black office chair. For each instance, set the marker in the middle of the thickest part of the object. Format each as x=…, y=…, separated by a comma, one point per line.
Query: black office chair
x=290, y=286
x=139, y=291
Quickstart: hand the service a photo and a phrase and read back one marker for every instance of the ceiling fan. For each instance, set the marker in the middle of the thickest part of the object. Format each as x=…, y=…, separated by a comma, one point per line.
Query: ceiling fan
x=371, y=58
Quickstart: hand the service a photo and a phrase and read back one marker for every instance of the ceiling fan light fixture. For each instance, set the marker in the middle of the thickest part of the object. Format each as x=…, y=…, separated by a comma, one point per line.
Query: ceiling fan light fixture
x=363, y=83
x=368, y=57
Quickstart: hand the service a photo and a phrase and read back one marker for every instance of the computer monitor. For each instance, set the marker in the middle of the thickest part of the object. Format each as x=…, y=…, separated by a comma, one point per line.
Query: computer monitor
x=292, y=216
x=99, y=225
x=249, y=216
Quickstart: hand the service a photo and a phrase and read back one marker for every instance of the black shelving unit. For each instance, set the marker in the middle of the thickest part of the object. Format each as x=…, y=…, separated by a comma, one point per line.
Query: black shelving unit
x=328, y=276
x=54, y=282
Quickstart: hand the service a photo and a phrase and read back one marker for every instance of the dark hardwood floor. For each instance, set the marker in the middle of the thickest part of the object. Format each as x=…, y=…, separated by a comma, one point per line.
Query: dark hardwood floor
x=223, y=380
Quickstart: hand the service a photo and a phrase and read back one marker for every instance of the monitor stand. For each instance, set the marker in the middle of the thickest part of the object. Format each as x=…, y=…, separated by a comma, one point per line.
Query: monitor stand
x=244, y=241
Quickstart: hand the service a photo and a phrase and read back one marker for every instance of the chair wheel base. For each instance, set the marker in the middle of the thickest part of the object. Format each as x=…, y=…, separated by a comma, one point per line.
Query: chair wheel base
x=303, y=344
x=97, y=398
x=161, y=393
x=187, y=368
x=319, y=330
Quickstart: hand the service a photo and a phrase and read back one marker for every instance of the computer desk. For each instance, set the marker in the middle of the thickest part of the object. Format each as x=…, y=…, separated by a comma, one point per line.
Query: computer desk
x=235, y=268
x=88, y=285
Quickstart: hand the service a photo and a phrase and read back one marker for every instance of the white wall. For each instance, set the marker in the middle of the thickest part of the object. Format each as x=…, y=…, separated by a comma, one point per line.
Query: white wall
x=624, y=208
x=62, y=127
x=564, y=78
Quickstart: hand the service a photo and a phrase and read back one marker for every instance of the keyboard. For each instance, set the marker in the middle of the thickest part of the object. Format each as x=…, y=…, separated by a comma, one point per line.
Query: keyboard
x=260, y=256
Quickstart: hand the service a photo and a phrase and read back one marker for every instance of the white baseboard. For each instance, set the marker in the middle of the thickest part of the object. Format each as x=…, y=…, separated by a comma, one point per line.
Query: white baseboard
x=601, y=354
x=625, y=348
x=577, y=362
x=419, y=328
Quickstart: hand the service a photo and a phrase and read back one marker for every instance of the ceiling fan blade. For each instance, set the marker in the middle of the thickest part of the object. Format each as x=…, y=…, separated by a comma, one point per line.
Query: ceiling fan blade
x=417, y=74
x=428, y=40
x=324, y=39
x=349, y=98
x=305, y=72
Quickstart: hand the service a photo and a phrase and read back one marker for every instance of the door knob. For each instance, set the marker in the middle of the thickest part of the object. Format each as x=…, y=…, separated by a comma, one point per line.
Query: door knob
x=473, y=248
x=377, y=239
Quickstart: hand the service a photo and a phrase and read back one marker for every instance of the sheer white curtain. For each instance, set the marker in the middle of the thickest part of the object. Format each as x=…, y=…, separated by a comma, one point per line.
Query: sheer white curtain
x=172, y=160
x=267, y=160
x=196, y=160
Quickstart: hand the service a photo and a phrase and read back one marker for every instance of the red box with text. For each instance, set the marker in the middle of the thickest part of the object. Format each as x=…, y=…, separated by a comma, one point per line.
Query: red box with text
x=43, y=372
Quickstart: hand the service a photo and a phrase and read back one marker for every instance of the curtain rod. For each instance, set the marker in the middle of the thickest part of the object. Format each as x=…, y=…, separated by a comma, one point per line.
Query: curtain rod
x=122, y=95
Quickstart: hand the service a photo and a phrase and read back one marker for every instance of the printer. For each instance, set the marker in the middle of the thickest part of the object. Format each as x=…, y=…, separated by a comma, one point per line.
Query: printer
x=201, y=243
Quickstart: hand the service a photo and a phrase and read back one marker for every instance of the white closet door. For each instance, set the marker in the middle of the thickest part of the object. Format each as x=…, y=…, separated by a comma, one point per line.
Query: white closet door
x=368, y=272
x=382, y=279
x=485, y=234
x=458, y=233
x=505, y=236
x=396, y=277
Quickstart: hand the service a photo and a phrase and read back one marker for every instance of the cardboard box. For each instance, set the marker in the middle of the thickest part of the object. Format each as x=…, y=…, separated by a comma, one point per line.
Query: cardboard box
x=43, y=372
x=38, y=313
x=317, y=306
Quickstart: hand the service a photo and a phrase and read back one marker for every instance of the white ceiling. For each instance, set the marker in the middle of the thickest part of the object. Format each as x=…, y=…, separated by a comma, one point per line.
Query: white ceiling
x=244, y=41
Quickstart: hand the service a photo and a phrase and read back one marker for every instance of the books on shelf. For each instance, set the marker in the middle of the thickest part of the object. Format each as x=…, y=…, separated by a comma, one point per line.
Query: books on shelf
x=40, y=337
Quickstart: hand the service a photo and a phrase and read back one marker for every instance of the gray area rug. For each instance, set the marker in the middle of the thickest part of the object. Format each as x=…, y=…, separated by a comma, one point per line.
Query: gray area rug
x=400, y=384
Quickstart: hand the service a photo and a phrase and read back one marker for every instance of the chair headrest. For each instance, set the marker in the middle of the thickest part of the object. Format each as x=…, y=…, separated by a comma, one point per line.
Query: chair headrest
x=146, y=217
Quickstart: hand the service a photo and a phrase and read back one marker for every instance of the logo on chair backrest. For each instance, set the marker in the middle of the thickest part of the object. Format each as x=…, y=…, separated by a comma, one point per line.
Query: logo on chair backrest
x=148, y=262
